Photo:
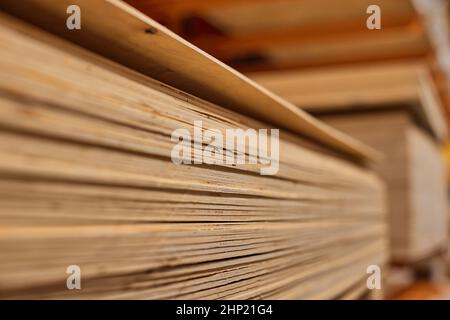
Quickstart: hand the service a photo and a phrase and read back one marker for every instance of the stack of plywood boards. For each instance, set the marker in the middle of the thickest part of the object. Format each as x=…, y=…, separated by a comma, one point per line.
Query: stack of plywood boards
x=393, y=108
x=415, y=173
x=87, y=178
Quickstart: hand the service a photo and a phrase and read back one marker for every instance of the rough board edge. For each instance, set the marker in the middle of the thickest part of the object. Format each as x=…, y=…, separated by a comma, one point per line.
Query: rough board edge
x=103, y=21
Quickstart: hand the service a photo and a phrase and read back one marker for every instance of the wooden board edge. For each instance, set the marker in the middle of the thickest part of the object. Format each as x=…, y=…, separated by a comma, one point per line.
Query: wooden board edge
x=114, y=24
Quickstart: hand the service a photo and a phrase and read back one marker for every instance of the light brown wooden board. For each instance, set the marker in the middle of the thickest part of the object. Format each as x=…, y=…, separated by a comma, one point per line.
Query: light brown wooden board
x=290, y=34
x=129, y=37
x=86, y=178
x=373, y=85
x=256, y=17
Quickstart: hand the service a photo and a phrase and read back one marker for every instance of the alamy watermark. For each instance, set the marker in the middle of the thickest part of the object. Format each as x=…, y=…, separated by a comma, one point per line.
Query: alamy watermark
x=238, y=147
x=374, y=280
x=74, y=279
x=373, y=22
x=73, y=22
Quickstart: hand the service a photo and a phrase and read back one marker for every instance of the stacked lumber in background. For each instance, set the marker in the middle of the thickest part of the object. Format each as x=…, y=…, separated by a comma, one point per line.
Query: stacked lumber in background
x=87, y=177
x=415, y=175
x=394, y=108
x=350, y=88
x=257, y=35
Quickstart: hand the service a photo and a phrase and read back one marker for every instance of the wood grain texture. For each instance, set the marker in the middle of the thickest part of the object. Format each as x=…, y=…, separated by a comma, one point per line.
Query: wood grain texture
x=129, y=37
x=86, y=178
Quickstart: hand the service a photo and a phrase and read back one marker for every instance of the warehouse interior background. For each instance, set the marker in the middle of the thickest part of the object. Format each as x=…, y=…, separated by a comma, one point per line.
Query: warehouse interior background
x=377, y=71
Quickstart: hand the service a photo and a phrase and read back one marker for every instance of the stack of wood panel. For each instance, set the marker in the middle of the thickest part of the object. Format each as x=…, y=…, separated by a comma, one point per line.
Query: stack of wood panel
x=394, y=108
x=87, y=177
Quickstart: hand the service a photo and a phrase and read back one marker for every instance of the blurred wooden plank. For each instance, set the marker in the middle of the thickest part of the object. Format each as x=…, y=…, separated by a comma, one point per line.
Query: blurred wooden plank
x=389, y=44
x=302, y=40
x=255, y=17
x=381, y=85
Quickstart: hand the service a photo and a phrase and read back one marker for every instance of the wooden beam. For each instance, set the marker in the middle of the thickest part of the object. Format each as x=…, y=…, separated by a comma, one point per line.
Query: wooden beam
x=239, y=44
x=239, y=18
x=327, y=90
x=304, y=48
x=253, y=17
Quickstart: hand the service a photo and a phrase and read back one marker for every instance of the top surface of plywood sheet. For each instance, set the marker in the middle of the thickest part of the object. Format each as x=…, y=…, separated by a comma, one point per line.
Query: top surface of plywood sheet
x=123, y=34
x=377, y=85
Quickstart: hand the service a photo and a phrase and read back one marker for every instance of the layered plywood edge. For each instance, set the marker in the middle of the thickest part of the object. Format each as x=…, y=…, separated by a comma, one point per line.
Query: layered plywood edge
x=127, y=36
x=351, y=88
x=415, y=175
x=87, y=179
